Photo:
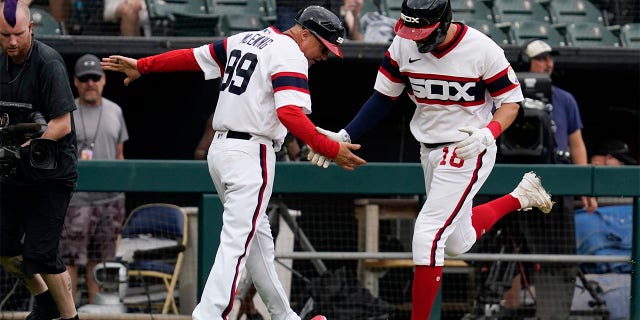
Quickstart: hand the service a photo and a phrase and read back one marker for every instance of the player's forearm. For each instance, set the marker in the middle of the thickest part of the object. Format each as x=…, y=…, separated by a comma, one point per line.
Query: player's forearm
x=372, y=112
x=175, y=60
x=505, y=115
x=300, y=126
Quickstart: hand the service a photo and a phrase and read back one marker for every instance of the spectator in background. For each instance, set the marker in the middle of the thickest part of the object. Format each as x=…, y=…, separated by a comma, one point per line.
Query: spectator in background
x=350, y=15
x=565, y=114
x=612, y=152
x=132, y=15
x=34, y=201
x=94, y=219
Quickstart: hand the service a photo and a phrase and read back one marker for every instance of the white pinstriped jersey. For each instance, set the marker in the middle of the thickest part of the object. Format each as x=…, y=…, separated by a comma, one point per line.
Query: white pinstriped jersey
x=261, y=71
x=452, y=88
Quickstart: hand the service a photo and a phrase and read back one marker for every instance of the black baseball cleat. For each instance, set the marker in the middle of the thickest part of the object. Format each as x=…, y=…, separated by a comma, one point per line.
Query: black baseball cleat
x=43, y=314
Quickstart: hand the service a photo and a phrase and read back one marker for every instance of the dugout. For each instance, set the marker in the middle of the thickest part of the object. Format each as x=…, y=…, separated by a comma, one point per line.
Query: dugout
x=166, y=113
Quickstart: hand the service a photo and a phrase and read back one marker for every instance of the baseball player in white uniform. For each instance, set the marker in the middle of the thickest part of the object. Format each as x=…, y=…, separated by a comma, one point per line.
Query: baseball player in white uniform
x=455, y=75
x=263, y=92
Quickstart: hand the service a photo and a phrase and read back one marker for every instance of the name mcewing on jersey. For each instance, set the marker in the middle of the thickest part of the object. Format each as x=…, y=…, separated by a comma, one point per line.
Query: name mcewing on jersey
x=258, y=40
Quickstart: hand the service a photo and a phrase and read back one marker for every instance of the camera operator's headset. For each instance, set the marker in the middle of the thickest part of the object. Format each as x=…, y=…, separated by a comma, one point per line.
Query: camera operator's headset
x=523, y=60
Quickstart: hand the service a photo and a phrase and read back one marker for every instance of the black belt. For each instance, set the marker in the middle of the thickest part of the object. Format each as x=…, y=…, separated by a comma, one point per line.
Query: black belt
x=435, y=145
x=238, y=135
x=242, y=135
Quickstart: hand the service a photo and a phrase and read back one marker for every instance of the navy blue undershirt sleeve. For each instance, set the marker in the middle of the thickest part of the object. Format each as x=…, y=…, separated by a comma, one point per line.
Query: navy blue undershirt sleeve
x=369, y=115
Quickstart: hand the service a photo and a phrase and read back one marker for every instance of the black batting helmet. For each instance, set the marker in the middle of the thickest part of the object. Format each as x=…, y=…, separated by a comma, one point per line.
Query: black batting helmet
x=325, y=25
x=425, y=21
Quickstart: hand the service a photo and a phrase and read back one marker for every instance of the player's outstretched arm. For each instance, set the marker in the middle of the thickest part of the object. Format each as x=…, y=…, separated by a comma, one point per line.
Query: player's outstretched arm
x=300, y=126
x=128, y=66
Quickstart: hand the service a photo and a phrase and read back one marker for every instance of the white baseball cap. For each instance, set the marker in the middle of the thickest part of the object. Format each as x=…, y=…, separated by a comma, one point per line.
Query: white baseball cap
x=538, y=49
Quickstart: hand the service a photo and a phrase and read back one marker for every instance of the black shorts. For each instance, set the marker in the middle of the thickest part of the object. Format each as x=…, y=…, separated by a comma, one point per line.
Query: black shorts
x=37, y=213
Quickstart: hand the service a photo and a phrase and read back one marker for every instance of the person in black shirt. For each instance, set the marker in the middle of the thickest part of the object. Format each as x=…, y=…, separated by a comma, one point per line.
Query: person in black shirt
x=34, y=201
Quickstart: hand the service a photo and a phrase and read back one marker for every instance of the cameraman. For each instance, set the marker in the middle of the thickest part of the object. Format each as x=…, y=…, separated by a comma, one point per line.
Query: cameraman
x=33, y=201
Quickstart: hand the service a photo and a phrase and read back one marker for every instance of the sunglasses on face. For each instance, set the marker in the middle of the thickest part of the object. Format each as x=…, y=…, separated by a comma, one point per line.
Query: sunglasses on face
x=92, y=77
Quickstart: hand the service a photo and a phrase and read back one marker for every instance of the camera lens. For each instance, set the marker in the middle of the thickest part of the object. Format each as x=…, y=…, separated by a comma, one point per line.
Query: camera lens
x=43, y=153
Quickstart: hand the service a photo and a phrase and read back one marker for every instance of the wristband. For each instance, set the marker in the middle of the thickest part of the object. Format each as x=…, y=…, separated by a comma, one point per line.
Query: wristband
x=496, y=128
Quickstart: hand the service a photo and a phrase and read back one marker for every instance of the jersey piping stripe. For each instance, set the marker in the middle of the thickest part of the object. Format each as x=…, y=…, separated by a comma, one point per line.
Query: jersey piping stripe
x=218, y=52
x=500, y=83
x=290, y=81
x=390, y=69
x=465, y=194
x=256, y=214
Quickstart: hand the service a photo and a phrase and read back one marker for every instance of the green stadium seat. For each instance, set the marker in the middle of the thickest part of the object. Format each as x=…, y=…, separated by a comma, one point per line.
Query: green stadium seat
x=496, y=34
x=243, y=15
x=591, y=34
x=570, y=11
x=630, y=35
x=523, y=31
x=519, y=10
x=393, y=7
x=44, y=23
x=182, y=18
x=468, y=10
x=379, y=6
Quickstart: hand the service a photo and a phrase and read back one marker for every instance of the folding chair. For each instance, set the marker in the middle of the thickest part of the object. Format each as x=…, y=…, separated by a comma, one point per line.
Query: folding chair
x=153, y=241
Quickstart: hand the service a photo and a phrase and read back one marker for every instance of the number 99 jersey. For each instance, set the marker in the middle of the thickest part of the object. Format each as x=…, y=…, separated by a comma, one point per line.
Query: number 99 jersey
x=260, y=72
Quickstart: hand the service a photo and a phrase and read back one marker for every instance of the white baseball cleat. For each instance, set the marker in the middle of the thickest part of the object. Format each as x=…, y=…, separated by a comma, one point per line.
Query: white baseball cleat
x=531, y=194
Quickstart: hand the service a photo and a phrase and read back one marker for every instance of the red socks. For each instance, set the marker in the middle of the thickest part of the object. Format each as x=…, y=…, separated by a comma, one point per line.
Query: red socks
x=484, y=216
x=426, y=283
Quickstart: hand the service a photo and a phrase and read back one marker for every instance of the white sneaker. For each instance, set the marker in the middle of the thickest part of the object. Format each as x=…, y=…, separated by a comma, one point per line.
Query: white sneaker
x=531, y=194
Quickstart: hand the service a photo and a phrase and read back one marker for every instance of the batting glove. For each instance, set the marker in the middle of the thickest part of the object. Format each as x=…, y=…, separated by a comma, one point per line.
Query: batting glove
x=320, y=160
x=478, y=141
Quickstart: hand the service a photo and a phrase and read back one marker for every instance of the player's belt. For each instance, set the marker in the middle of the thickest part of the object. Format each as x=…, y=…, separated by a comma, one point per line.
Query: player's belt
x=242, y=136
x=435, y=145
x=238, y=135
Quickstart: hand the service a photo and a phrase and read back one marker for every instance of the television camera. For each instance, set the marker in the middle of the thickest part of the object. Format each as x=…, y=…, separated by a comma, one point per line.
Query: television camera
x=531, y=137
x=18, y=124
